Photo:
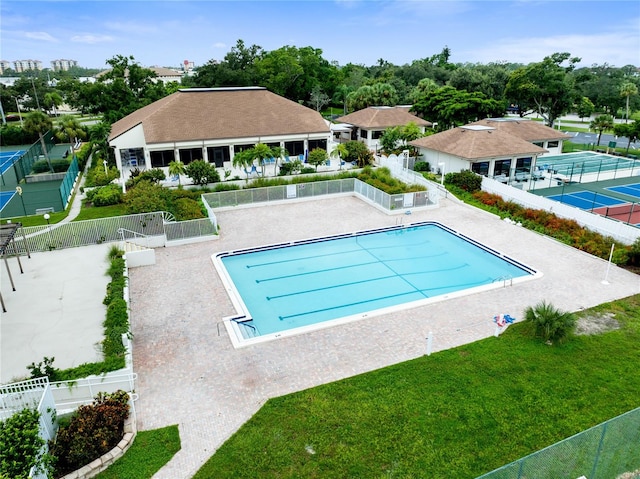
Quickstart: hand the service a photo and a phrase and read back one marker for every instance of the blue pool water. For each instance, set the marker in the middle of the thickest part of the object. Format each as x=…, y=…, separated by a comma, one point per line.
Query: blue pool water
x=283, y=287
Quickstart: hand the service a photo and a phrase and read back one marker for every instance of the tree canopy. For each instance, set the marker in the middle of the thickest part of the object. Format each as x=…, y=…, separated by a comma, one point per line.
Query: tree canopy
x=544, y=87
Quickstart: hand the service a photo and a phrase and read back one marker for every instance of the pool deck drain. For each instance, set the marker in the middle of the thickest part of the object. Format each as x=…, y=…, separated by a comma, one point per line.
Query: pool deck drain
x=189, y=374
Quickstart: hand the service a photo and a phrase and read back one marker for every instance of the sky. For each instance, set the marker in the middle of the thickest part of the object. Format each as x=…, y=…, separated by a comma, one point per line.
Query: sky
x=165, y=33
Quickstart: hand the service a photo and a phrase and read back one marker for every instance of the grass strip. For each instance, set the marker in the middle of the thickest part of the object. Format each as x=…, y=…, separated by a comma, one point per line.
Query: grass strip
x=458, y=413
x=149, y=452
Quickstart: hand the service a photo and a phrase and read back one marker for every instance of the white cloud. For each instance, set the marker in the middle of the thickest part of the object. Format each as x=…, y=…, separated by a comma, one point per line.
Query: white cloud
x=219, y=45
x=44, y=36
x=91, y=39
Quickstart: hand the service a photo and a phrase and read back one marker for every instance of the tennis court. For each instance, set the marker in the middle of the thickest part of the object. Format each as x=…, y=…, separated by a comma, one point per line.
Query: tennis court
x=5, y=197
x=586, y=162
x=8, y=158
x=629, y=190
x=586, y=200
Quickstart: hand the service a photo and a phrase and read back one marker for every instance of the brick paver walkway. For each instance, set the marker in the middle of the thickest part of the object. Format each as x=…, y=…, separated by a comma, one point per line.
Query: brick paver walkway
x=189, y=374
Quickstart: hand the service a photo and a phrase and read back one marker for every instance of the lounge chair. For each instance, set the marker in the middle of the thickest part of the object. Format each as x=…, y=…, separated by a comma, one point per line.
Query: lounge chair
x=255, y=170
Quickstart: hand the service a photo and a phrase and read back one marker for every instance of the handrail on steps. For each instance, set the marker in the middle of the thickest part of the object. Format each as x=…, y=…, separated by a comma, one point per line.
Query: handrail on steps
x=135, y=235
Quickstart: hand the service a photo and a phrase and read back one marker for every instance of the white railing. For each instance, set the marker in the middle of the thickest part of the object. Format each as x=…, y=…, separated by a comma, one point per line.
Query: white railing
x=351, y=186
x=606, y=226
x=68, y=395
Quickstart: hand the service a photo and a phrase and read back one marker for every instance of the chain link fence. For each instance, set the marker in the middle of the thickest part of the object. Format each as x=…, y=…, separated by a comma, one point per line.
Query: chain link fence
x=607, y=451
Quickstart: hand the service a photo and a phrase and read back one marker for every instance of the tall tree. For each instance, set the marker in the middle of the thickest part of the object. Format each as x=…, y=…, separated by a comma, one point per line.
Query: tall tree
x=626, y=90
x=449, y=107
x=629, y=130
x=600, y=124
x=585, y=108
x=236, y=69
x=340, y=96
x=319, y=99
x=40, y=123
x=545, y=87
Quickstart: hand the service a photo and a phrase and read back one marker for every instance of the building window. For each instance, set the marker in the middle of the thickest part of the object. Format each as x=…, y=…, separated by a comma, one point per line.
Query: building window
x=218, y=155
x=481, y=168
x=313, y=144
x=376, y=134
x=539, y=143
x=364, y=134
x=553, y=144
x=132, y=157
x=241, y=148
x=294, y=148
x=187, y=155
x=502, y=167
x=160, y=159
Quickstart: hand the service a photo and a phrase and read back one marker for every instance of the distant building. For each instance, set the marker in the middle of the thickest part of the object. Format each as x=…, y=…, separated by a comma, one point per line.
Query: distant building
x=4, y=66
x=368, y=125
x=188, y=65
x=26, y=65
x=164, y=75
x=63, y=65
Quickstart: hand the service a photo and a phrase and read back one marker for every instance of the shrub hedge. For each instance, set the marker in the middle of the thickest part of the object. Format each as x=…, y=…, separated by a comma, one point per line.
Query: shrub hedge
x=93, y=430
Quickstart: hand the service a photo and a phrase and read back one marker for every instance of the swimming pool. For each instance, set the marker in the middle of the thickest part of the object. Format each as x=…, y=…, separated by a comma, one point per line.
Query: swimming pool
x=291, y=288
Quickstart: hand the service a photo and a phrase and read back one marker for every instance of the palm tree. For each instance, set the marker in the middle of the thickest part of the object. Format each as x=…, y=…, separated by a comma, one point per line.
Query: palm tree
x=341, y=96
x=550, y=323
x=98, y=134
x=69, y=130
x=261, y=152
x=52, y=101
x=340, y=151
x=177, y=168
x=627, y=89
x=38, y=122
x=278, y=152
x=600, y=124
x=243, y=159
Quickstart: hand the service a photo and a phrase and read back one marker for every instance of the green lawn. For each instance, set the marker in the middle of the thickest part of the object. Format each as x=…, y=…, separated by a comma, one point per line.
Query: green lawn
x=149, y=452
x=458, y=413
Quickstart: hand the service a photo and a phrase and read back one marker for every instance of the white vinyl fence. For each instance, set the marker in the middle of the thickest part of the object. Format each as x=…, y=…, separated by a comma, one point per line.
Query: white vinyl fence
x=618, y=230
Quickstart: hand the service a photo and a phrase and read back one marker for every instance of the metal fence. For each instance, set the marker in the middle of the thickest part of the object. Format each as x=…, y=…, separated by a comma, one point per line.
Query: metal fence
x=106, y=230
x=254, y=196
x=69, y=181
x=34, y=153
x=605, y=451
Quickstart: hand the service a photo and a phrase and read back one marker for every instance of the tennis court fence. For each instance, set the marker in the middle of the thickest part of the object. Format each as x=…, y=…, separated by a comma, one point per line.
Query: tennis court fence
x=606, y=451
x=34, y=153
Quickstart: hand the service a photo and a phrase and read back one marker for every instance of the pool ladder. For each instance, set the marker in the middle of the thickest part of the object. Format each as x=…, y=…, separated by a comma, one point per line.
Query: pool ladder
x=506, y=280
x=248, y=330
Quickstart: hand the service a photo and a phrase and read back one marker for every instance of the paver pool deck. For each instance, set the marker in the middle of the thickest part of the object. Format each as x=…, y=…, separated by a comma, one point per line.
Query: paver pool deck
x=189, y=374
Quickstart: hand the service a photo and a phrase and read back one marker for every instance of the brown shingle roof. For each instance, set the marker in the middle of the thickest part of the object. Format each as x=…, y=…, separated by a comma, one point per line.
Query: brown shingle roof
x=523, y=128
x=382, y=117
x=477, y=143
x=221, y=113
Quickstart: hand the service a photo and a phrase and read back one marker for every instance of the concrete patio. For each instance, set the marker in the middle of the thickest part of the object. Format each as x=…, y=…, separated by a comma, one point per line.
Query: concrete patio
x=190, y=375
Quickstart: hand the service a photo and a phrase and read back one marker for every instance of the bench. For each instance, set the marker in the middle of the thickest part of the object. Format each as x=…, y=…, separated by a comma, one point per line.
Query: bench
x=41, y=211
